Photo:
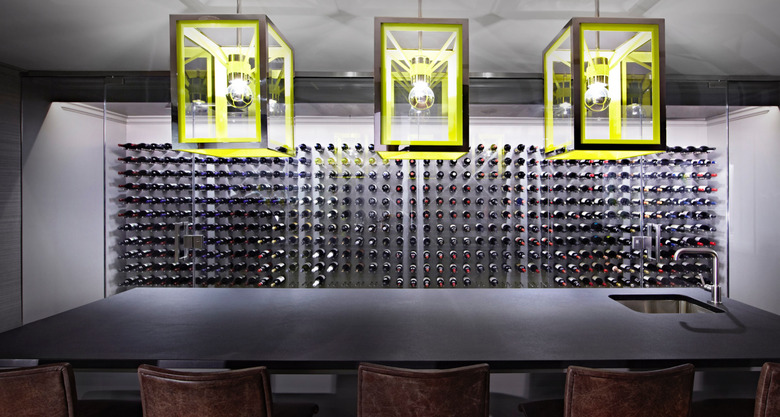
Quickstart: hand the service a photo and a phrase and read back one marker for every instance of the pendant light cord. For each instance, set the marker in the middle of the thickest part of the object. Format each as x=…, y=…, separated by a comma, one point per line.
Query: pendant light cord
x=598, y=34
x=238, y=31
x=419, y=34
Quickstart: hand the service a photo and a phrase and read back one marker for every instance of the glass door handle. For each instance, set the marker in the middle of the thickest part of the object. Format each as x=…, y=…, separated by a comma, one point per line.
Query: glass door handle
x=651, y=242
x=655, y=229
x=185, y=243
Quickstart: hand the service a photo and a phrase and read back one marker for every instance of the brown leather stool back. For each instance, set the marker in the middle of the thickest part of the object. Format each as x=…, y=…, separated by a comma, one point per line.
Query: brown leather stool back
x=598, y=393
x=768, y=392
x=45, y=391
x=241, y=393
x=393, y=392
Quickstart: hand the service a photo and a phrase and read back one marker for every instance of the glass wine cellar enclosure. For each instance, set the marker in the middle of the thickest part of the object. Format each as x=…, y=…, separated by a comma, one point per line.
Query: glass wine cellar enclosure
x=335, y=215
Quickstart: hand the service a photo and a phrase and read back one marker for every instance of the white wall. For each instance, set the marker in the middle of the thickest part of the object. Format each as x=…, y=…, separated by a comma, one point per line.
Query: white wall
x=62, y=212
x=754, y=200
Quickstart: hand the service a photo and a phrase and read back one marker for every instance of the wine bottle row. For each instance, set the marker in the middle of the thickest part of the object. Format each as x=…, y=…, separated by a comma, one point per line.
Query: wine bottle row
x=241, y=280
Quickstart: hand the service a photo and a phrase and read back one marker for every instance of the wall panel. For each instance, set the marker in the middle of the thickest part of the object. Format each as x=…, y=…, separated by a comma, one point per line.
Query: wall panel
x=63, y=212
x=754, y=196
x=10, y=200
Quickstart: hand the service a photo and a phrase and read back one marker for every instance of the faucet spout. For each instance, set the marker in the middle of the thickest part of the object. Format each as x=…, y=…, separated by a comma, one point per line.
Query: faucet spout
x=715, y=287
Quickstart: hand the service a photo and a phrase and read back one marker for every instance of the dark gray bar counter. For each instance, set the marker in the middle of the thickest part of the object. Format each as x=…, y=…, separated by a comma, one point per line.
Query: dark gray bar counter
x=334, y=329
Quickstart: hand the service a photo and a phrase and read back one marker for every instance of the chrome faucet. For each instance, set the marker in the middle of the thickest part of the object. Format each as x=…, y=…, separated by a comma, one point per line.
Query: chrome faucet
x=715, y=287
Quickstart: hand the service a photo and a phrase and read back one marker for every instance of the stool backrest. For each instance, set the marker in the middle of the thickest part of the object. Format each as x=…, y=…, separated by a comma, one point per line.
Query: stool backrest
x=45, y=391
x=393, y=392
x=239, y=393
x=768, y=392
x=600, y=393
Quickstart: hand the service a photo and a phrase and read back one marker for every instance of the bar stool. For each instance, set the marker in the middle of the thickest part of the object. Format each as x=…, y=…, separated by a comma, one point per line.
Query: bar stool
x=599, y=393
x=240, y=393
x=388, y=392
x=280, y=408
x=45, y=391
x=768, y=392
x=84, y=408
x=588, y=390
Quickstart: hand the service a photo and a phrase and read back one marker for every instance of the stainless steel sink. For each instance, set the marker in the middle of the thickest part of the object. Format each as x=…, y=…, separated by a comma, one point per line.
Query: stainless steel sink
x=664, y=304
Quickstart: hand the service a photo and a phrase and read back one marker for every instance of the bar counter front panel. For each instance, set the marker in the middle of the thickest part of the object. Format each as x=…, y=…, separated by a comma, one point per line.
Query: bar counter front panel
x=334, y=330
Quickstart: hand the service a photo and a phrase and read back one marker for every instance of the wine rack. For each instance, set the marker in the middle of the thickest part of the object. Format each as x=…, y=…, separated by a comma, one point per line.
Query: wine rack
x=339, y=216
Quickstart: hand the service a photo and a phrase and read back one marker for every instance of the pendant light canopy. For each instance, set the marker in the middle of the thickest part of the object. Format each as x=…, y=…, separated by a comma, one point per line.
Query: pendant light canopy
x=421, y=88
x=604, y=92
x=231, y=86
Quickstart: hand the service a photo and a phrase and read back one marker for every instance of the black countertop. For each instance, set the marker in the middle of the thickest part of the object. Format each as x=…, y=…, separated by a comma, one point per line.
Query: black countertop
x=334, y=329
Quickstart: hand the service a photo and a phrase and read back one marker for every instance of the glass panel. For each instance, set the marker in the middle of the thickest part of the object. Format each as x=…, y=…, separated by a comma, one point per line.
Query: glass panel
x=618, y=91
x=637, y=120
x=422, y=97
x=685, y=189
x=149, y=189
x=280, y=91
x=220, y=83
x=559, y=126
x=240, y=212
x=524, y=213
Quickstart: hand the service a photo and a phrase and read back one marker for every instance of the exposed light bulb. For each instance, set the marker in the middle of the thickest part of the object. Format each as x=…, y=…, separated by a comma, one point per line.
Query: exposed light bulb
x=635, y=109
x=597, y=97
x=239, y=93
x=421, y=96
x=564, y=108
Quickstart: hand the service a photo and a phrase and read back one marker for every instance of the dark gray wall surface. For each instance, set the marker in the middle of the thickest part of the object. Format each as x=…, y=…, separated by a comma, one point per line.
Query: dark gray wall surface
x=10, y=200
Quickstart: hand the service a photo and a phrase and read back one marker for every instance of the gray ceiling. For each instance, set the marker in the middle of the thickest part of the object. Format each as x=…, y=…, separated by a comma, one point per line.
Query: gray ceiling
x=703, y=37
